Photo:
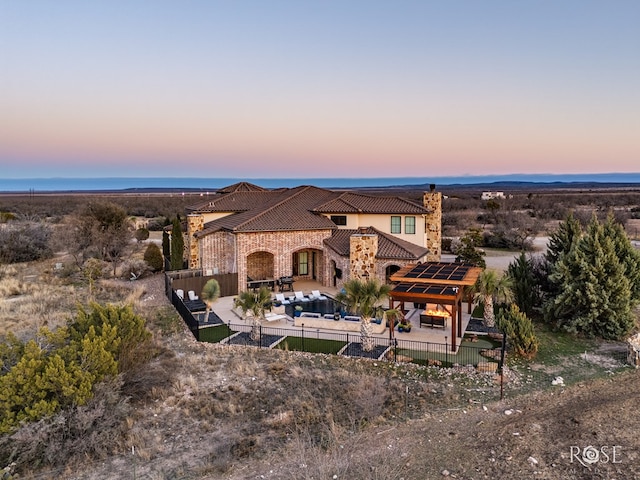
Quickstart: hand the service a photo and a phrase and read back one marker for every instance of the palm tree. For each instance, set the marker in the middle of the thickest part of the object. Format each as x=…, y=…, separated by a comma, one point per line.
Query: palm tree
x=490, y=289
x=210, y=293
x=362, y=297
x=257, y=303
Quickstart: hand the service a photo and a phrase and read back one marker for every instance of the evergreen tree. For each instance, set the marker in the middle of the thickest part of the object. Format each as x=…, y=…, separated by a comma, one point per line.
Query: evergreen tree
x=561, y=241
x=594, y=294
x=521, y=336
x=468, y=251
x=525, y=290
x=153, y=257
x=177, y=246
x=628, y=256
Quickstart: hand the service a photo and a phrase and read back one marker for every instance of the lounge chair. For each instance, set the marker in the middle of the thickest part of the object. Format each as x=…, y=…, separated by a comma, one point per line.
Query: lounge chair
x=316, y=295
x=280, y=298
x=300, y=297
x=274, y=317
x=180, y=293
x=192, y=295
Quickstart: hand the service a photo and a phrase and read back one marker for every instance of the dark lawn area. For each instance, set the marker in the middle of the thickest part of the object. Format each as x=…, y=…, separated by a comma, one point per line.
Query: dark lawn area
x=215, y=334
x=313, y=345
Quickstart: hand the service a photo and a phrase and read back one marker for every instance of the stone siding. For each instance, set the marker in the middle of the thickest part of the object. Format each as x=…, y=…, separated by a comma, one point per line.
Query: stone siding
x=362, y=258
x=195, y=223
x=433, y=225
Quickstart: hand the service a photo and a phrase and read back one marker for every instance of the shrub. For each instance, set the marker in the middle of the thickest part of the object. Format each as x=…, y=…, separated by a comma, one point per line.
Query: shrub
x=134, y=269
x=519, y=330
x=141, y=234
x=24, y=242
x=153, y=257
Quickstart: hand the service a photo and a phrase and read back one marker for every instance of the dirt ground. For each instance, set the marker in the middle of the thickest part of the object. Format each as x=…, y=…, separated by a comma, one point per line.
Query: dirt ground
x=236, y=413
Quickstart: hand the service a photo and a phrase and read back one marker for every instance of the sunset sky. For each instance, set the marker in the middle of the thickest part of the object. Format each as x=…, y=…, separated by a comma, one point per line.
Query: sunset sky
x=344, y=88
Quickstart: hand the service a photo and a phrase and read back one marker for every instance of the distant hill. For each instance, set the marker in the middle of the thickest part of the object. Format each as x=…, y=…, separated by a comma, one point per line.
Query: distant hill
x=134, y=185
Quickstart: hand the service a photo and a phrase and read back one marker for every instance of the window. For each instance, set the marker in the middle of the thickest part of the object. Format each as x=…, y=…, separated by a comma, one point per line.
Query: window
x=396, y=224
x=339, y=219
x=409, y=224
x=303, y=263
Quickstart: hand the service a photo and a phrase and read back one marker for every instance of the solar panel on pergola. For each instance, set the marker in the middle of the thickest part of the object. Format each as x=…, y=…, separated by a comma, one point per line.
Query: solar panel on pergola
x=438, y=273
x=424, y=293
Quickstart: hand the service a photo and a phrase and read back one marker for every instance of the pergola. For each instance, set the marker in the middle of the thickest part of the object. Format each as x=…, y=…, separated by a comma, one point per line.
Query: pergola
x=435, y=282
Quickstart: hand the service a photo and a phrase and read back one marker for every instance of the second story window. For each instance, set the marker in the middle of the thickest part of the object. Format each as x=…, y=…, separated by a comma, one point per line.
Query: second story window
x=339, y=219
x=409, y=224
x=396, y=224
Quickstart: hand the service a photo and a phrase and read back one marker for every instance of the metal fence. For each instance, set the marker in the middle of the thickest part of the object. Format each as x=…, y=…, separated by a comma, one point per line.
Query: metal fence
x=349, y=344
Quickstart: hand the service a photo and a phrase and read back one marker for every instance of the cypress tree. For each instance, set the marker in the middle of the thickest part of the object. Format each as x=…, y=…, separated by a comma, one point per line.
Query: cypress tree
x=166, y=247
x=177, y=246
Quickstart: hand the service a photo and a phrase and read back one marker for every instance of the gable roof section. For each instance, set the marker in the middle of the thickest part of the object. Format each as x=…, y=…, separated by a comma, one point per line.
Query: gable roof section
x=388, y=246
x=349, y=202
x=279, y=210
x=242, y=187
x=255, y=209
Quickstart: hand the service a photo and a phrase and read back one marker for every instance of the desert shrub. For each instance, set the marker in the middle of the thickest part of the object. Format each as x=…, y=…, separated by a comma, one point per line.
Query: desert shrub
x=87, y=430
x=134, y=268
x=59, y=369
x=24, y=242
x=153, y=257
x=133, y=338
x=521, y=336
x=141, y=234
x=6, y=217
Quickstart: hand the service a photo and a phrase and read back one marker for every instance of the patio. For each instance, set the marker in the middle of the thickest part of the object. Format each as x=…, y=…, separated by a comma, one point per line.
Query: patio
x=225, y=311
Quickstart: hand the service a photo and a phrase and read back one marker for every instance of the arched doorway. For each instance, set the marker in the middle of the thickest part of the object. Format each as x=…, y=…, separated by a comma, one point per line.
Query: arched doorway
x=390, y=270
x=260, y=265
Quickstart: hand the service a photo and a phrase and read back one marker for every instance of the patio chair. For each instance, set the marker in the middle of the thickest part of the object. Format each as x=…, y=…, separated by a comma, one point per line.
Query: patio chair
x=180, y=293
x=192, y=295
x=300, y=297
x=280, y=298
x=316, y=295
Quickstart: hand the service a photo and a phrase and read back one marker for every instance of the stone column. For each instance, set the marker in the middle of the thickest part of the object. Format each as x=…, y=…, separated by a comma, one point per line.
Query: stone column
x=362, y=256
x=195, y=223
x=433, y=224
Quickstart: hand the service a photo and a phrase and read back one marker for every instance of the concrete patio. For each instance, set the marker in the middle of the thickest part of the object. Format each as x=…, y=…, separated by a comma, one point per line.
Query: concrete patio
x=225, y=311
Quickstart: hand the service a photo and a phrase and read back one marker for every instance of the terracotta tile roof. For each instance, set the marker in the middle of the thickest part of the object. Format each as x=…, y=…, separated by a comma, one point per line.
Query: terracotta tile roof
x=349, y=202
x=388, y=246
x=242, y=187
x=279, y=210
x=253, y=208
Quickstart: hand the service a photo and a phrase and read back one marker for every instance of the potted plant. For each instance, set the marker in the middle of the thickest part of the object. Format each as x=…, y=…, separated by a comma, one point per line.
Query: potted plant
x=298, y=311
x=404, y=326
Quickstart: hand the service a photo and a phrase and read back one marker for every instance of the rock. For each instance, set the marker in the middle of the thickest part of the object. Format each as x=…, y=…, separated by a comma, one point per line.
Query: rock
x=633, y=349
x=434, y=363
x=508, y=412
x=487, y=367
x=532, y=461
x=445, y=473
x=557, y=381
x=495, y=336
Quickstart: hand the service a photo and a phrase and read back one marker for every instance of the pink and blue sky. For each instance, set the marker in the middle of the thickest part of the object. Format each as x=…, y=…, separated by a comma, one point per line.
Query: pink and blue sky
x=331, y=88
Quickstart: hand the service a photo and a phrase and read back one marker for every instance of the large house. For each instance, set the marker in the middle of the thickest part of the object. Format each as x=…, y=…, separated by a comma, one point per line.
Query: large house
x=310, y=233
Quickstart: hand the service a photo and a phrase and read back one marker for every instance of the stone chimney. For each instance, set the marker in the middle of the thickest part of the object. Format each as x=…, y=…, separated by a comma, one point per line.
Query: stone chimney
x=432, y=201
x=362, y=255
x=195, y=223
